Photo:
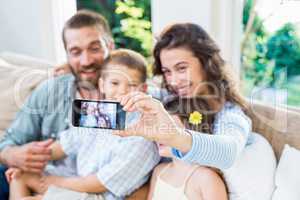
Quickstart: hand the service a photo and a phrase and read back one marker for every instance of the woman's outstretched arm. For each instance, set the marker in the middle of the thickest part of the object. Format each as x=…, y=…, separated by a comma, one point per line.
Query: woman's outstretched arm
x=232, y=128
x=230, y=135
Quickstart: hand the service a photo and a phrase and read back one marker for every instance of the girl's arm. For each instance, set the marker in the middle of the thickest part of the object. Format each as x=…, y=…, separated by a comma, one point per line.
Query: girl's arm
x=57, y=152
x=89, y=184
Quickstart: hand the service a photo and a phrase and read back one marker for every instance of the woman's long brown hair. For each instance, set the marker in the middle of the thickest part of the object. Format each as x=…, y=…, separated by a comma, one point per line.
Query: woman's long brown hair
x=195, y=39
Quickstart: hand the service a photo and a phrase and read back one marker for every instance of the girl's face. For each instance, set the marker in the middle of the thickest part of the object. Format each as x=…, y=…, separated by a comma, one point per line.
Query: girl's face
x=183, y=72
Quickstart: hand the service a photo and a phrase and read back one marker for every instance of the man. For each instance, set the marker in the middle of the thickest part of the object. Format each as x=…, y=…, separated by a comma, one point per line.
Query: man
x=88, y=41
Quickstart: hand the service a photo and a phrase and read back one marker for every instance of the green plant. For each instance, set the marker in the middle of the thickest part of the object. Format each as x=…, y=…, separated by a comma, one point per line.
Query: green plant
x=284, y=48
x=135, y=24
x=255, y=64
x=129, y=20
x=270, y=60
x=267, y=57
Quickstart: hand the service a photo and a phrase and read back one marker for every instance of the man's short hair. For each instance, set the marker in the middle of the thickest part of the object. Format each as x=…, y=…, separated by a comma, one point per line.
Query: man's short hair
x=129, y=58
x=87, y=18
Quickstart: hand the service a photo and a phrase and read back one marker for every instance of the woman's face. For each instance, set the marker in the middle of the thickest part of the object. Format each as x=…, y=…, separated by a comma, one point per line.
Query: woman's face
x=183, y=72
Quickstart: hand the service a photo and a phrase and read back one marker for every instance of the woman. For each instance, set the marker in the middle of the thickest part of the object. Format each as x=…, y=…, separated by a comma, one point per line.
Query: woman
x=191, y=65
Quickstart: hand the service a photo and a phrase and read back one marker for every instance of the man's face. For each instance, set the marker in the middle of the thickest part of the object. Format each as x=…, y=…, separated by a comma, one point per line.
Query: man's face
x=86, y=51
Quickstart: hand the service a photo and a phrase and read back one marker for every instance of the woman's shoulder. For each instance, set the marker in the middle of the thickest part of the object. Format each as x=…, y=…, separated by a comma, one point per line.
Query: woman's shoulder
x=233, y=114
x=233, y=107
x=232, y=110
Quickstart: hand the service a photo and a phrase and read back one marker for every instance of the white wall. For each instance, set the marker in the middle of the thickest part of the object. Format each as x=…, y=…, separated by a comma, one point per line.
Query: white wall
x=165, y=12
x=33, y=27
x=222, y=20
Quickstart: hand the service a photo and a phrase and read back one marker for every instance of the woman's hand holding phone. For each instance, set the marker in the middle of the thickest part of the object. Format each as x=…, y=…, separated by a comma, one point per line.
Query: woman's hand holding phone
x=155, y=123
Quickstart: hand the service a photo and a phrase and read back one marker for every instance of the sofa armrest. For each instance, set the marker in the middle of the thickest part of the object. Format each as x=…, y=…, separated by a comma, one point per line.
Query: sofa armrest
x=24, y=60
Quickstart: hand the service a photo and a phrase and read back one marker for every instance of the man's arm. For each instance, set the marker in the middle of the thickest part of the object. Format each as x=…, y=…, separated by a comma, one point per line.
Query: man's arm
x=26, y=127
x=40, y=152
x=31, y=157
x=17, y=148
x=89, y=184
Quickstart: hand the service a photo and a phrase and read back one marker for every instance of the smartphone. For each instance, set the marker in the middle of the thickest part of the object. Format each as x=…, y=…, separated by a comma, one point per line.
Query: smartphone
x=98, y=114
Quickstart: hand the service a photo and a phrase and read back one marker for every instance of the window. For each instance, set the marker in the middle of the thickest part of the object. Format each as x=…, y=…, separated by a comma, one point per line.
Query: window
x=270, y=51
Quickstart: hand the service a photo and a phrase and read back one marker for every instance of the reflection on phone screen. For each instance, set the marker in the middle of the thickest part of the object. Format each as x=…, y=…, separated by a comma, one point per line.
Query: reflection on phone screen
x=98, y=115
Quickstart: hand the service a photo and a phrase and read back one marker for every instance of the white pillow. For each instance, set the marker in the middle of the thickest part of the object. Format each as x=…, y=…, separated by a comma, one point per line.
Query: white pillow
x=287, y=179
x=252, y=175
x=16, y=84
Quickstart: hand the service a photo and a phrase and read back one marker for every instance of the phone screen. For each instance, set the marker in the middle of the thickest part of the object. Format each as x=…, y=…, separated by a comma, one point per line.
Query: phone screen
x=98, y=114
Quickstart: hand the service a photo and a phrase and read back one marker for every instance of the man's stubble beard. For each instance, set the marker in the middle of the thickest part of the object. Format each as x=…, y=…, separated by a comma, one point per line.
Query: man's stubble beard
x=85, y=83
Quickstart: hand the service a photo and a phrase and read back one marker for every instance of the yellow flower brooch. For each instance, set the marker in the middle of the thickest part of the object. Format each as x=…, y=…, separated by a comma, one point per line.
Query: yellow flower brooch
x=195, y=118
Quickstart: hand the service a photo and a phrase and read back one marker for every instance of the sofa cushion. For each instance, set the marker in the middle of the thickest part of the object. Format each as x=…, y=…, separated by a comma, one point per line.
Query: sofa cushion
x=287, y=175
x=16, y=83
x=248, y=178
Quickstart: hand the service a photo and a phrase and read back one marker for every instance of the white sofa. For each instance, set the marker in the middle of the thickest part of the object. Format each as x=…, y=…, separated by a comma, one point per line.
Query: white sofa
x=19, y=75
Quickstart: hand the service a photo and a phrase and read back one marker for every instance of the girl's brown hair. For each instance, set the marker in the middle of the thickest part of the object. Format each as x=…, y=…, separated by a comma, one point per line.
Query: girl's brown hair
x=195, y=39
x=184, y=107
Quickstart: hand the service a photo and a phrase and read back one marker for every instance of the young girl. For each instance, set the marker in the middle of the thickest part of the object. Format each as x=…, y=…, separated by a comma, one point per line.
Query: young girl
x=178, y=180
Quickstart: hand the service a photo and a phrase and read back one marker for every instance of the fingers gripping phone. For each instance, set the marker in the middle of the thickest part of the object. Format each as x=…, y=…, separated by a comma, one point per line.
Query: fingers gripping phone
x=98, y=114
